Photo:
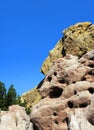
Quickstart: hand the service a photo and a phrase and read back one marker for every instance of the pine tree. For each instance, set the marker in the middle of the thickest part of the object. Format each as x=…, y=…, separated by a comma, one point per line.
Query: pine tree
x=2, y=95
x=11, y=96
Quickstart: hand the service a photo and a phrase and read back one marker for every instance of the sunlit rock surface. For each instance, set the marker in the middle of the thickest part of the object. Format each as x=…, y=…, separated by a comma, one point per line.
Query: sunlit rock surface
x=77, y=40
x=67, y=95
x=15, y=119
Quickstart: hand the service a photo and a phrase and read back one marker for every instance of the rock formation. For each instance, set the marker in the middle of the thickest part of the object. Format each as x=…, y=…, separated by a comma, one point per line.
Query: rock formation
x=64, y=99
x=68, y=89
x=77, y=40
x=67, y=95
x=15, y=119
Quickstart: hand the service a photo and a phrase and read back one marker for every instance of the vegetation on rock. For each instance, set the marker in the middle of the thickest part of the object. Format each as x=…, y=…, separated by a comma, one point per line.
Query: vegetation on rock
x=77, y=40
x=31, y=97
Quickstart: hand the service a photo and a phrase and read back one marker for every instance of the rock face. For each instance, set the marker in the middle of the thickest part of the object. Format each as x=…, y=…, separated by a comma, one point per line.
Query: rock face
x=15, y=119
x=78, y=39
x=67, y=95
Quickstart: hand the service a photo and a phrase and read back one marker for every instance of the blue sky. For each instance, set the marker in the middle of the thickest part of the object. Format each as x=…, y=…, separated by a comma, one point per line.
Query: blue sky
x=28, y=30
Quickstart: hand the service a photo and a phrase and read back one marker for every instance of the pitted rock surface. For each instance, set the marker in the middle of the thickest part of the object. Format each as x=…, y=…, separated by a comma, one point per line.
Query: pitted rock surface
x=67, y=95
x=78, y=39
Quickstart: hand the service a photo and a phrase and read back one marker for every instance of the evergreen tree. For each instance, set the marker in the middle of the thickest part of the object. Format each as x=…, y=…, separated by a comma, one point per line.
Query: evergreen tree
x=2, y=95
x=11, y=96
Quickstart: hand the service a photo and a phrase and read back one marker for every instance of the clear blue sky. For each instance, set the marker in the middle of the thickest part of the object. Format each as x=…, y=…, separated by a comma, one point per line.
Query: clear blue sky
x=28, y=30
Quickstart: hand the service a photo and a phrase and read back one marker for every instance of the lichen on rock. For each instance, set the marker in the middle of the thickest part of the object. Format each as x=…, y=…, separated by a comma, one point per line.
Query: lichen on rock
x=77, y=40
x=31, y=97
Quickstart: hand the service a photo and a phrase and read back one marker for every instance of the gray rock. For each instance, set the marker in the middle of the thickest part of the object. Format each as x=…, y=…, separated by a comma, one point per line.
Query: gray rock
x=15, y=119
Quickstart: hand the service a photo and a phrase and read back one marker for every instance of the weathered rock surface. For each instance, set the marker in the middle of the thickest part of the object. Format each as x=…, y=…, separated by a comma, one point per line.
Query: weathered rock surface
x=78, y=39
x=67, y=95
x=15, y=119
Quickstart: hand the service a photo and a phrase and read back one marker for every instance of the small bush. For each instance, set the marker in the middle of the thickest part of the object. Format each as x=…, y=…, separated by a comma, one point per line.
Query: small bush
x=28, y=110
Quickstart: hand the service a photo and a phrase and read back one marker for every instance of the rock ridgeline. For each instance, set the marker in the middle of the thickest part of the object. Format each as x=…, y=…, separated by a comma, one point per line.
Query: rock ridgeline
x=77, y=40
x=65, y=97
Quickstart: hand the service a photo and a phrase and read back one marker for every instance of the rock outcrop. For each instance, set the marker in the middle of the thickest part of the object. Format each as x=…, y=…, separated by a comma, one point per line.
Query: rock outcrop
x=64, y=99
x=67, y=95
x=15, y=119
x=77, y=40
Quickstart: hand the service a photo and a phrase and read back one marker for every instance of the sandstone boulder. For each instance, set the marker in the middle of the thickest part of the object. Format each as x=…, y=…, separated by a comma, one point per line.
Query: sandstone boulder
x=67, y=95
x=15, y=119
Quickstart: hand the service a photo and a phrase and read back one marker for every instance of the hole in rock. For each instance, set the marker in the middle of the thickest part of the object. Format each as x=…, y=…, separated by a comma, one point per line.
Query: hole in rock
x=91, y=65
x=55, y=73
x=83, y=105
x=70, y=104
x=35, y=127
x=83, y=78
x=91, y=72
x=55, y=114
x=49, y=78
x=92, y=36
x=75, y=92
x=56, y=92
x=74, y=82
x=56, y=122
x=91, y=90
x=92, y=58
x=91, y=119
x=62, y=81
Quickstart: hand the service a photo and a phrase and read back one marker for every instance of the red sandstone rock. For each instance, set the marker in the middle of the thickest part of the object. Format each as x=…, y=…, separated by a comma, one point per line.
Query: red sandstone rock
x=67, y=95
